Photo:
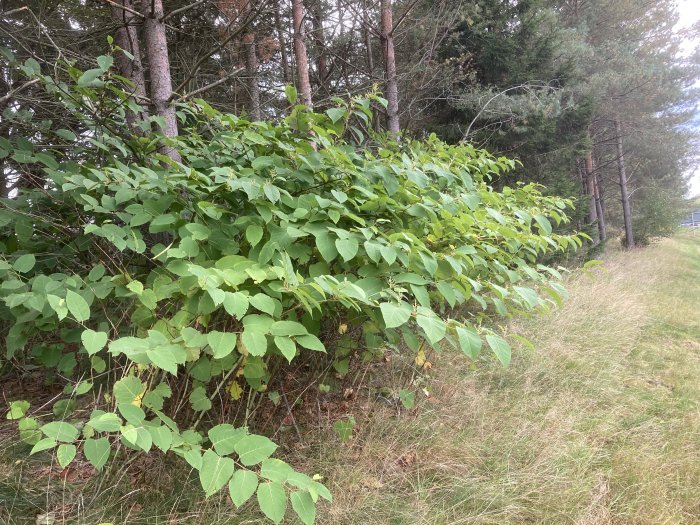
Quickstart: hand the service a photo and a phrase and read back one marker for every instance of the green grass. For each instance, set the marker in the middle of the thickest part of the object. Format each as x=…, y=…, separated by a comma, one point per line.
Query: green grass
x=600, y=424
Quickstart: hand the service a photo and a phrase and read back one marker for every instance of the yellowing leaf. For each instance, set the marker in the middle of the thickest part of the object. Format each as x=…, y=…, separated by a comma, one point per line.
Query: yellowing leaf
x=420, y=358
x=235, y=390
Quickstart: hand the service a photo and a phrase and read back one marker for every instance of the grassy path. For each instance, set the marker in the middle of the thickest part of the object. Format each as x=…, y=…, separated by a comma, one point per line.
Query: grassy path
x=599, y=425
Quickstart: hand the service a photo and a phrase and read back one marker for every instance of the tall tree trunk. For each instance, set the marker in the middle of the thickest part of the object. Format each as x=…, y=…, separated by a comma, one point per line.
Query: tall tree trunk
x=320, y=44
x=159, y=71
x=626, y=211
x=300, y=55
x=392, y=90
x=127, y=38
x=251, y=65
x=286, y=75
x=367, y=34
x=602, y=226
x=590, y=189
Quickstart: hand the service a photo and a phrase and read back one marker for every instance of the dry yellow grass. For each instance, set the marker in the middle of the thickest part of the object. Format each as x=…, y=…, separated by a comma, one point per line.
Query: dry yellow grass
x=599, y=425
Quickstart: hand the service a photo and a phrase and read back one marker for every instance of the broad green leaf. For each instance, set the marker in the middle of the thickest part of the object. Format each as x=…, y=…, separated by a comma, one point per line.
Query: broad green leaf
x=311, y=342
x=193, y=338
x=105, y=62
x=66, y=134
x=215, y=472
x=128, y=390
x=60, y=431
x=90, y=78
x=396, y=314
x=271, y=191
x=236, y=304
x=97, y=451
x=105, y=422
x=162, y=437
x=63, y=408
x=253, y=234
x=225, y=437
x=529, y=295
x=325, y=244
x=287, y=346
x=275, y=470
x=24, y=263
x=137, y=437
x=199, y=399
x=17, y=409
x=132, y=414
x=242, y=486
x=272, y=500
x=263, y=302
x=253, y=449
x=221, y=343
x=58, y=305
x=134, y=348
x=407, y=398
x=544, y=224
x=43, y=444
x=389, y=254
x=29, y=431
x=194, y=458
x=290, y=92
x=336, y=114
x=469, y=342
x=287, y=328
x=65, y=454
x=347, y=248
x=500, y=347
x=304, y=506
x=433, y=327
x=93, y=341
x=254, y=342
x=77, y=306
x=447, y=292
x=344, y=427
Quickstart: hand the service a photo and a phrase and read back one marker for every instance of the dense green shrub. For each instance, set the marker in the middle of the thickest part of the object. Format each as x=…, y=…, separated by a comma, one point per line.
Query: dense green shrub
x=156, y=280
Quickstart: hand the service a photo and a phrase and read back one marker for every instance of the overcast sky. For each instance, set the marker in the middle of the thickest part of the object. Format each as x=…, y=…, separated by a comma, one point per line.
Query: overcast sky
x=690, y=13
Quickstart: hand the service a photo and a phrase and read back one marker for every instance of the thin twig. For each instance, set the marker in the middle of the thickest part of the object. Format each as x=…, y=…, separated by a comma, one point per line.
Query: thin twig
x=123, y=7
x=13, y=11
x=181, y=10
x=289, y=411
x=11, y=93
x=218, y=48
x=210, y=86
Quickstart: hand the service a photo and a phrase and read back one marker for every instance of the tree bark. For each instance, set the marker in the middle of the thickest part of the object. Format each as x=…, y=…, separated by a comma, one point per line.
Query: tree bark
x=367, y=34
x=127, y=38
x=251, y=65
x=300, y=54
x=286, y=75
x=590, y=189
x=320, y=44
x=602, y=226
x=392, y=90
x=159, y=72
x=626, y=211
